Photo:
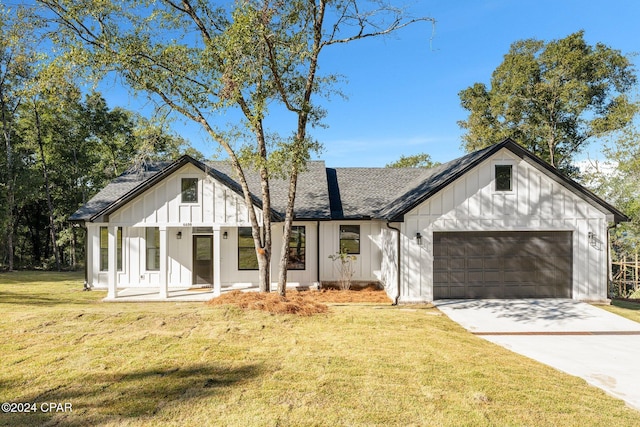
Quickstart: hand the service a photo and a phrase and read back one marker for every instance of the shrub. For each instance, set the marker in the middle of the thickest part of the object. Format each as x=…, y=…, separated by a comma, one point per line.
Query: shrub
x=635, y=295
x=346, y=268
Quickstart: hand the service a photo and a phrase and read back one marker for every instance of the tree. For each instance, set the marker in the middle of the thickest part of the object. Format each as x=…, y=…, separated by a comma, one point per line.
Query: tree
x=551, y=98
x=421, y=160
x=616, y=180
x=17, y=59
x=243, y=59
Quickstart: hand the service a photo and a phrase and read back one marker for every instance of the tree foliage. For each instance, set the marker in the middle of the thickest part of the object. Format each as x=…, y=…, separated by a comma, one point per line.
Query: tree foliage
x=17, y=60
x=66, y=147
x=421, y=160
x=616, y=180
x=227, y=66
x=552, y=98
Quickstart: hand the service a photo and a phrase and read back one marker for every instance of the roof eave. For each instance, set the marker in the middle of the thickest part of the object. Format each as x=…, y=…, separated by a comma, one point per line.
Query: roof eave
x=618, y=216
x=103, y=215
x=521, y=152
x=399, y=217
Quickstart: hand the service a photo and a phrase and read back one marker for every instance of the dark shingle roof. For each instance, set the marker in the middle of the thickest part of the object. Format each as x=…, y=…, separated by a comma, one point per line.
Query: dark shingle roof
x=433, y=181
x=120, y=186
x=312, y=198
x=365, y=192
x=331, y=193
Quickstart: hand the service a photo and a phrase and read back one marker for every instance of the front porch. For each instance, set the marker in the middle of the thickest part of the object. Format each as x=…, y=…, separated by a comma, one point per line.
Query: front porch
x=151, y=294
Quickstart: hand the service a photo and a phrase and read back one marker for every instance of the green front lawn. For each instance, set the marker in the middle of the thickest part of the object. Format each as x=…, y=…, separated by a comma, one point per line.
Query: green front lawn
x=192, y=364
x=630, y=310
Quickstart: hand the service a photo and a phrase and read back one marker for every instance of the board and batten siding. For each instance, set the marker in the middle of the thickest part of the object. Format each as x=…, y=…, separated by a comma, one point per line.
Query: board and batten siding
x=160, y=206
x=537, y=202
x=368, y=261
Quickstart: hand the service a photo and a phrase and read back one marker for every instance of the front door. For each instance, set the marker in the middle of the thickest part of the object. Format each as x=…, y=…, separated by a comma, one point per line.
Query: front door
x=203, y=260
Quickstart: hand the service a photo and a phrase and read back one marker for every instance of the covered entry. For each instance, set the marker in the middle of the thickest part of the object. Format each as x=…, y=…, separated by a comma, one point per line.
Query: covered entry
x=203, y=260
x=509, y=264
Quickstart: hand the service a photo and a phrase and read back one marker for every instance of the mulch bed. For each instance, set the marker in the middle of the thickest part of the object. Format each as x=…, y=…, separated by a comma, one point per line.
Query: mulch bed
x=302, y=303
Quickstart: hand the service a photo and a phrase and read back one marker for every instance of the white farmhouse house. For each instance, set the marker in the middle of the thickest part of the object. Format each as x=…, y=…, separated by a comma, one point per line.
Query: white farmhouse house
x=496, y=223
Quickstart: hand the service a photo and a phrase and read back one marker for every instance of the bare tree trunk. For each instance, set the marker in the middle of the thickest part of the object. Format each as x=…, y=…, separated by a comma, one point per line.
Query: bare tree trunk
x=52, y=224
x=288, y=222
x=74, y=242
x=264, y=252
x=11, y=203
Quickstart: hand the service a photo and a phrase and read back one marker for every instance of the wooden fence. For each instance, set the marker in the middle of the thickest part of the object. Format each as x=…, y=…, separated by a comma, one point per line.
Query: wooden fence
x=625, y=275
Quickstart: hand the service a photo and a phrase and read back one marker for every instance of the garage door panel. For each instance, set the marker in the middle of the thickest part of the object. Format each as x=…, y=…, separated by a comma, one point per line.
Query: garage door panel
x=493, y=276
x=458, y=277
x=492, y=263
x=475, y=262
x=441, y=250
x=503, y=264
x=440, y=277
x=475, y=276
x=484, y=292
x=515, y=277
x=440, y=264
x=456, y=291
x=457, y=262
x=456, y=250
x=520, y=264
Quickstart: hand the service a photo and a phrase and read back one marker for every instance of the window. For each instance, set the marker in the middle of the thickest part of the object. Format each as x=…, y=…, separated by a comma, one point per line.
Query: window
x=297, y=248
x=504, y=178
x=247, y=259
x=189, y=190
x=152, y=238
x=350, y=239
x=104, y=249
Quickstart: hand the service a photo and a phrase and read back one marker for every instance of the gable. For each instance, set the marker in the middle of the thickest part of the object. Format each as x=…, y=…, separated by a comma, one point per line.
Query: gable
x=323, y=193
x=445, y=175
x=535, y=197
x=312, y=198
x=162, y=203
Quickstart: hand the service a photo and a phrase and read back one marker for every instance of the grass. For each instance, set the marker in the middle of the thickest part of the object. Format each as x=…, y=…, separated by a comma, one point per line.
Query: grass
x=628, y=309
x=194, y=364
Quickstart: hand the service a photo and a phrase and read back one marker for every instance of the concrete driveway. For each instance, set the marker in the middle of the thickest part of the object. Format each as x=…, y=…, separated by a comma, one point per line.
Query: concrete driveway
x=568, y=335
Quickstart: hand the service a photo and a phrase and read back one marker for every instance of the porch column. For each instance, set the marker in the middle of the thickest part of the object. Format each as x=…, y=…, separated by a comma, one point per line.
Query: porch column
x=164, y=285
x=217, y=284
x=112, y=274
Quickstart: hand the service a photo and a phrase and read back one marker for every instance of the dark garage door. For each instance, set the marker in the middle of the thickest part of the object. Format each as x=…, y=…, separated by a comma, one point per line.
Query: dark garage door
x=502, y=265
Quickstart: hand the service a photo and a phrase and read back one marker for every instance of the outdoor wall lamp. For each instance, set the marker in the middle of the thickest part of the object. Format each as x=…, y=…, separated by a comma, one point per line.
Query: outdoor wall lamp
x=225, y=235
x=179, y=235
x=419, y=238
x=593, y=240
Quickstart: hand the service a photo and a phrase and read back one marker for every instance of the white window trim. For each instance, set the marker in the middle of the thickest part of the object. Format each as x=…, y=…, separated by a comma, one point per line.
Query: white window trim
x=514, y=173
x=198, y=189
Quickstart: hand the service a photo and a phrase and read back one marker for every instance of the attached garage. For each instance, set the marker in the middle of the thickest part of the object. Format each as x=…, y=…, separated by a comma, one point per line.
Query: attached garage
x=513, y=264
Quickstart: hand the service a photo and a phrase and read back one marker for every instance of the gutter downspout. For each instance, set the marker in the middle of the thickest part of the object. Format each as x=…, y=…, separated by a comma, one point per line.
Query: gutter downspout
x=86, y=259
x=395, y=302
x=609, y=265
x=318, y=254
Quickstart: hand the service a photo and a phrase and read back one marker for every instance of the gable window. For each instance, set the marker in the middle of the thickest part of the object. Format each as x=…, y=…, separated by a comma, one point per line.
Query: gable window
x=189, y=190
x=247, y=259
x=104, y=249
x=297, y=248
x=504, y=177
x=350, y=239
x=152, y=239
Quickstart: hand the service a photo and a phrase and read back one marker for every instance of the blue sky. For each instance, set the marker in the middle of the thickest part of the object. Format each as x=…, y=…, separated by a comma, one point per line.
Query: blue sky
x=402, y=91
